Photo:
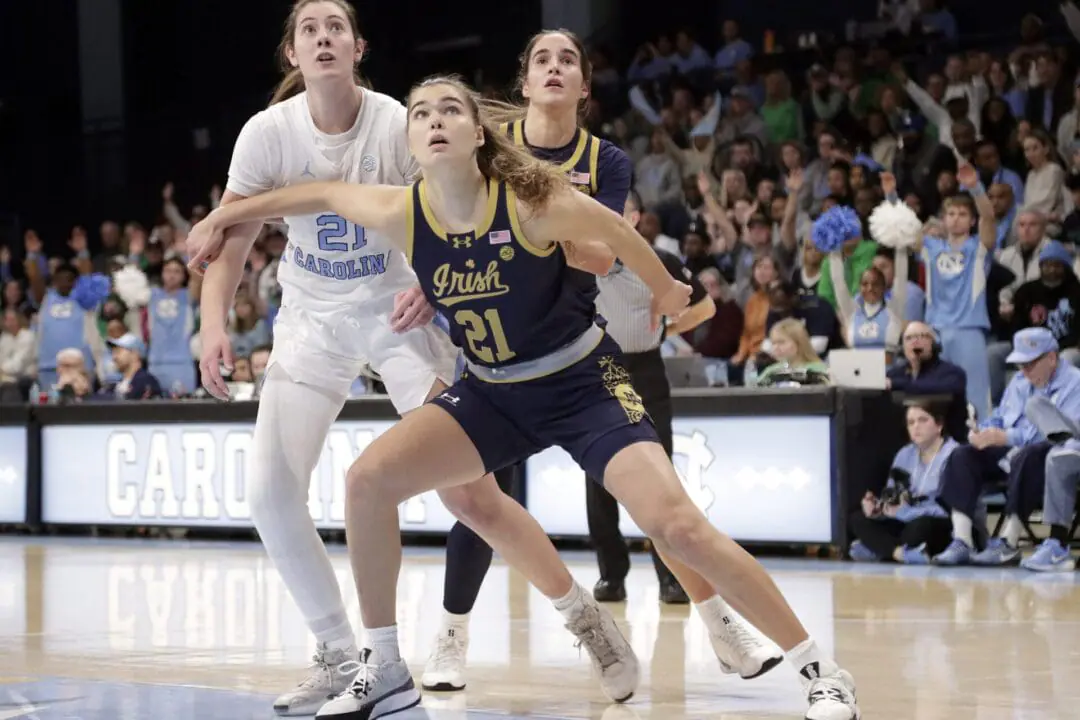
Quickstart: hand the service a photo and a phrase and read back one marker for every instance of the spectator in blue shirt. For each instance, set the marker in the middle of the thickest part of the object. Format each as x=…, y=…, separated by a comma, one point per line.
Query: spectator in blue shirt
x=734, y=50
x=136, y=382
x=908, y=524
x=992, y=172
x=1008, y=446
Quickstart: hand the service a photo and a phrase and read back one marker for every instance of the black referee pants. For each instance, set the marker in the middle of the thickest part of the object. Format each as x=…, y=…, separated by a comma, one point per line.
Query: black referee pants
x=651, y=383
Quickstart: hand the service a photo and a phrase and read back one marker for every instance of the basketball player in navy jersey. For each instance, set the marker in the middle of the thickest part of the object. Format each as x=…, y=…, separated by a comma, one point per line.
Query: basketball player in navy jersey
x=554, y=78
x=485, y=231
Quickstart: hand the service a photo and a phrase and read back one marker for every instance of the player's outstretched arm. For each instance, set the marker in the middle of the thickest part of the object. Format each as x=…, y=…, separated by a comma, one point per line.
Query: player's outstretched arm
x=376, y=207
x=573, y=214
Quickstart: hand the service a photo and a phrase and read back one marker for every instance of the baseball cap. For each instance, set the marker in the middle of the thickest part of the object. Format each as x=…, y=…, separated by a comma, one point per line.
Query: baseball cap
x=1031, y=344
x=129, y=341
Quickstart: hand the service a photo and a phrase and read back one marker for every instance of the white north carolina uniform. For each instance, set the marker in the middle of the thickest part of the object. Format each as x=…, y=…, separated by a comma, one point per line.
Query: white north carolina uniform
x=339, y=280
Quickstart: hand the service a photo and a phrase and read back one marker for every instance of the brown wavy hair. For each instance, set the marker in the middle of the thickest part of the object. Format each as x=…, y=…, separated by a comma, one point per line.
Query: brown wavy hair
x=533, y=181
x=501, y=112
x=293, y=82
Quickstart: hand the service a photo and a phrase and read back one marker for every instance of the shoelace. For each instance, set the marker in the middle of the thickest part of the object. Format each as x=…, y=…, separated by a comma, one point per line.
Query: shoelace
x=320, y=669
x=589, y=633
x=826, y=690
x=741, y=636
x=365, y=679
x=448, y=652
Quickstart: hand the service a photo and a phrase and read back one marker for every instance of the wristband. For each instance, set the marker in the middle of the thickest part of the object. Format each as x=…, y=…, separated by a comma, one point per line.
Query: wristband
x=892, y=198
x=978, y=191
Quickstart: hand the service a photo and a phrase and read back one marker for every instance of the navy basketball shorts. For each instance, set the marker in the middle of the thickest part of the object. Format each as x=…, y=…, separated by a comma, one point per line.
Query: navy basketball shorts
x=589, y=409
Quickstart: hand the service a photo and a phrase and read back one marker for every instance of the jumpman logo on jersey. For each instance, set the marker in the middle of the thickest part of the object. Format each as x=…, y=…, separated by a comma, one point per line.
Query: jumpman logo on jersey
x=307, y=170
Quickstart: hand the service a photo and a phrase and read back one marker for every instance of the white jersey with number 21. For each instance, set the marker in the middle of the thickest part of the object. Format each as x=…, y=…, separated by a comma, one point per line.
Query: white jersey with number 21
x=330, y=265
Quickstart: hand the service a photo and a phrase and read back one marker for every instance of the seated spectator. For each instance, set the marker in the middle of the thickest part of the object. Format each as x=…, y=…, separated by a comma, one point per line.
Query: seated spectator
x=1062, y=478
x=107, y=371
x=1052, y=301
x=246, y=329
x=923, y=373
x=1008, y=447
x=718, y=339
x=74, y=382
x=18, y=356
x=789, y=347
x=260, y=358
x=907, y=524
x=1023, y=258
x=1044, y=187
x=816, y=315
x=755, y=310
x=808, y=275
x=136, y=382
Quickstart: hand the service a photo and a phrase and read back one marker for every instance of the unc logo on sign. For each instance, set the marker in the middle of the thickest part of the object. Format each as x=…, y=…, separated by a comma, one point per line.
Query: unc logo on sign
x=950, y=264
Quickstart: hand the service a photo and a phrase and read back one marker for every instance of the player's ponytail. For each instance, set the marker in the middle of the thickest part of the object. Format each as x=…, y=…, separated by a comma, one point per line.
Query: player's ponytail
x=291, y=84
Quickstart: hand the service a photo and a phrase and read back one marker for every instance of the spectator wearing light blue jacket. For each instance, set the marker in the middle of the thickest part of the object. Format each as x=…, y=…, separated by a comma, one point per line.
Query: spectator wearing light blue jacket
x=908, y=524
x=1008, y=447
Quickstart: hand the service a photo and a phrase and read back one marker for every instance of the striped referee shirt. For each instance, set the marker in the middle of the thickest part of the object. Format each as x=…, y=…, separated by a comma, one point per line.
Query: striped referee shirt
x=625, y=301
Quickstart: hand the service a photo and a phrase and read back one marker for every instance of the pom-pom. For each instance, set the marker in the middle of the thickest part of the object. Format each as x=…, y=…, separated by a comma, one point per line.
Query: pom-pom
x=132, y=286
x=91, y=290
x=834, y=228
x=895, y=225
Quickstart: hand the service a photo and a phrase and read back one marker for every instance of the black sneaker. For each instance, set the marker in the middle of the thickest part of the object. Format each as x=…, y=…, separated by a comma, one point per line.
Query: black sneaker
x=672, y=593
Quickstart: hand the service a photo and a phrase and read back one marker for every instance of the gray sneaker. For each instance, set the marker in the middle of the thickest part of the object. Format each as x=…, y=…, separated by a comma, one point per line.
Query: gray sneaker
x=376, y=691
x=329, y=675
x=611, y=654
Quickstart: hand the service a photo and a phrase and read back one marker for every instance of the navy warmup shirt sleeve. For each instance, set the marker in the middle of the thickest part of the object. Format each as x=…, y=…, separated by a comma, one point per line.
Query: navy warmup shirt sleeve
x=615, y=173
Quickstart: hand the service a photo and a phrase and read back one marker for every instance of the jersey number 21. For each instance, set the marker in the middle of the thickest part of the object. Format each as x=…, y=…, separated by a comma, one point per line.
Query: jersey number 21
x=335, y=233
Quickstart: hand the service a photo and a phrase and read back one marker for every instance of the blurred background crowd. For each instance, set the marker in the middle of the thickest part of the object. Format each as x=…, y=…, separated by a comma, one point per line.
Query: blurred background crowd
x=739, y=143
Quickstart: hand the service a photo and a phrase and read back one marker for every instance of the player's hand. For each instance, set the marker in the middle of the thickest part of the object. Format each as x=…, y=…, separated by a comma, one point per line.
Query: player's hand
x=411, y=310
x=217, y=353
x=204, y=243
x=671, y=304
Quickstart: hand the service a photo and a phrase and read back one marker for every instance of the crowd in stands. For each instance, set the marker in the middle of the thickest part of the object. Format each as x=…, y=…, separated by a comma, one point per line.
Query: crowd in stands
x=763, y=171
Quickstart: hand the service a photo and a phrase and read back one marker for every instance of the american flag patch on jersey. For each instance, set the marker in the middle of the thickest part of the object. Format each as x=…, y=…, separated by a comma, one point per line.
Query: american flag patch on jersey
x=498, y=237
x=579, y=178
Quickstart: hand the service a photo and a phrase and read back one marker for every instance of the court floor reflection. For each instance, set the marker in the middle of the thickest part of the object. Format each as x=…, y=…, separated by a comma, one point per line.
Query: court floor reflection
x=169, y=630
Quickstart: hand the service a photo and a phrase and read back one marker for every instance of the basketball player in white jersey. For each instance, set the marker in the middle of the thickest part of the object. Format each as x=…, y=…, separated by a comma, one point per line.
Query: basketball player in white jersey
x=339, y=285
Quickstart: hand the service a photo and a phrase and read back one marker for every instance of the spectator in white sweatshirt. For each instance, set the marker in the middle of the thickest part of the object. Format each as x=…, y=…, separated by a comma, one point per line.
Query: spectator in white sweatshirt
x=1044, y=187
x=18, y=354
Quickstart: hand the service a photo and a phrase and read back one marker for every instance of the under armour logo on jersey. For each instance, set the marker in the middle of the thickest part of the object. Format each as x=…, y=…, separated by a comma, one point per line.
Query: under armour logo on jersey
x=452, y=399
x=462, y=241
x=307, y=170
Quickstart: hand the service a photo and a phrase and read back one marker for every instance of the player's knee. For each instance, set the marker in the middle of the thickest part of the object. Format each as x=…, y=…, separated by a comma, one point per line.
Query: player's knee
x=367, y=481
x=475, y=504
x=679, y=524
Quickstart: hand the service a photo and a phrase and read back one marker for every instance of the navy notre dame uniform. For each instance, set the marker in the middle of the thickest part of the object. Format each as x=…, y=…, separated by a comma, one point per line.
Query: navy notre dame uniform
x=580, y=160
x=540, y=371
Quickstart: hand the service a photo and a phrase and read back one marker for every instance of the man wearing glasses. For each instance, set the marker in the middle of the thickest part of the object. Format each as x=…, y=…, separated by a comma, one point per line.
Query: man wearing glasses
x=924, y=373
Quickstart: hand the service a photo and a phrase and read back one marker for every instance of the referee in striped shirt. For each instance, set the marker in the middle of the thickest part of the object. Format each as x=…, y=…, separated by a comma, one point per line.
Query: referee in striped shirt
x=625, y=301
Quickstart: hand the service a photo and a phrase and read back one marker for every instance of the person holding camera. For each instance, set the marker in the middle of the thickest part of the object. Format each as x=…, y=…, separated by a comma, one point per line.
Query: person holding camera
x=907, y=524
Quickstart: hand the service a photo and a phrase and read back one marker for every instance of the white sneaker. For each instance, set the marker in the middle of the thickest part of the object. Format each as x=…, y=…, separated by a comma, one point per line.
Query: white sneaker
x=832, y=698
x=330, y=674
x=445, y=670
x=611, y=654
x=376, y=691
x=741, y=648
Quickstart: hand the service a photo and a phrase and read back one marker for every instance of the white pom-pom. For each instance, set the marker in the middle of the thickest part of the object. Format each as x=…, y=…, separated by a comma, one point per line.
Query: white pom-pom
x=130, y=283
x=895, y=225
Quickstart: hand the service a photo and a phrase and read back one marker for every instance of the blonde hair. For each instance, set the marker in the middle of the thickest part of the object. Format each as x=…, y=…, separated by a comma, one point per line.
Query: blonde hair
x=533, y=181
x=293, y=82
x=796, y=332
